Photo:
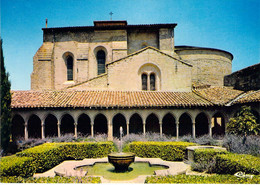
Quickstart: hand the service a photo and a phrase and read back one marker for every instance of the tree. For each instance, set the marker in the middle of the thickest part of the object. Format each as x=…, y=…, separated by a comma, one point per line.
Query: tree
x=244, y=123
x=5, y=104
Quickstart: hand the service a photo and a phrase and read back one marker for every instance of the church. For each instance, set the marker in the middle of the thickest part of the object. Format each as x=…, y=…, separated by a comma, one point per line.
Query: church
x=91, y=80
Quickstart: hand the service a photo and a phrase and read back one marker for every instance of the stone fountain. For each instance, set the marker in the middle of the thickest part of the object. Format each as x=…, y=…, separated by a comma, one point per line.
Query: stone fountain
x=121, y=160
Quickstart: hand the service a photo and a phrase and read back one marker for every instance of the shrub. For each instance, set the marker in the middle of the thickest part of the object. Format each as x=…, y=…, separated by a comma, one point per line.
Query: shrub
x=17, y=166
x=170, y=151
x=232, y=163
x=45, y=156
x=48, y=155
x=195, y=179
x=57, y=179
x=204, y=154
x=205, y=159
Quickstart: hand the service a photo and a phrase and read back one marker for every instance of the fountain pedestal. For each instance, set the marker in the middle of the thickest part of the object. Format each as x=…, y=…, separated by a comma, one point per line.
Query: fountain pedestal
x=121, y=161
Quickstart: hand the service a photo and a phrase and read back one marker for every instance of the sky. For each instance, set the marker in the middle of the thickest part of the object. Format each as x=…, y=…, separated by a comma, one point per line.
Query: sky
x=230, y=25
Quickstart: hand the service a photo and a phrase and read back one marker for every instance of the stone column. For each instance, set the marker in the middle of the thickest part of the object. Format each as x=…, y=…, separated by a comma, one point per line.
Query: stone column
x=43, y=130
x=127, y=128
x=144, y=127
x=194, y=129
x=26, y=130
x=160, y=123
x=76, y=130
x=177, y=130
x=92, y=128
x=110, y=130
x=58, y=124
x=210, y=128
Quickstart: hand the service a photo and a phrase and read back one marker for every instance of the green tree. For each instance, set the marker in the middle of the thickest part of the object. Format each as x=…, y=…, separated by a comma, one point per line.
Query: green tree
x=5, y=104
x=244, y=123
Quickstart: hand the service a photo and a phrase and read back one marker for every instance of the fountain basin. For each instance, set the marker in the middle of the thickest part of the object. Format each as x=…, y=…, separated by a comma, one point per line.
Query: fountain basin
x=121, y=161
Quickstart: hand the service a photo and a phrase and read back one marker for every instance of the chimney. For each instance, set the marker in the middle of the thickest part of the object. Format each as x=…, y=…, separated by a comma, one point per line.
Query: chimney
x=46, y=23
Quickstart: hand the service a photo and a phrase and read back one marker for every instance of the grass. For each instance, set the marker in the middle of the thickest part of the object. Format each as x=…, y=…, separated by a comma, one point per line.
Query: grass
x=107, y=171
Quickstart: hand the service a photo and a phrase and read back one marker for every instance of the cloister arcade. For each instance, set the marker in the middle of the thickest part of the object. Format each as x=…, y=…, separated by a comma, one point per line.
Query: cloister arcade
x=175, y=123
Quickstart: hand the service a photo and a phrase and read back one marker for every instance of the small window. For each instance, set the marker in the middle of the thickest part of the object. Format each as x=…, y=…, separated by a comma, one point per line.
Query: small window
x=101, y=60
x=69, y=68
x=144, y=82
x=152, y=82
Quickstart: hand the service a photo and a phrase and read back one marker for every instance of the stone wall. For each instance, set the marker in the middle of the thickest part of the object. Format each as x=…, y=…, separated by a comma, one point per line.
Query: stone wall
x=245, y=79
x=171, y=74
x=209, y=65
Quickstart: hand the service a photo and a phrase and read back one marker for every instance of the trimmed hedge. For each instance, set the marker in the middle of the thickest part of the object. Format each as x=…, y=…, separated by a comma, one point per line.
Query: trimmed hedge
x=56, y=179
x=196, y=179
x=232, y=163
x=48, y=155
x=17, y=166
x=170, y=151
x=206, y=155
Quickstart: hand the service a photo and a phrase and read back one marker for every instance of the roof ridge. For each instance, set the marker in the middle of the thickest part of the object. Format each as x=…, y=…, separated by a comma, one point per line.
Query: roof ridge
x=80, y=83
x=198, y=94
x=146, y=48
x=242, y=95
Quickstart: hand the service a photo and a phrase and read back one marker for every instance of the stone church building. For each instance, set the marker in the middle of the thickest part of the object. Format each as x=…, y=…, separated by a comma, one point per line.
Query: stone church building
x=93, y=79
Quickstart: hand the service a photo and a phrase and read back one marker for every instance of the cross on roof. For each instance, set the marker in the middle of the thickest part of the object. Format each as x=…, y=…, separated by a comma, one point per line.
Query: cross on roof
x=111, y=13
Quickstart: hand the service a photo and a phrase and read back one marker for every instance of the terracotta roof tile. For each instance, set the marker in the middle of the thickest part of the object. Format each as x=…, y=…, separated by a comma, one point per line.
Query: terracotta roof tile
x=249, y=97
x=59, y=99
x=218, y=95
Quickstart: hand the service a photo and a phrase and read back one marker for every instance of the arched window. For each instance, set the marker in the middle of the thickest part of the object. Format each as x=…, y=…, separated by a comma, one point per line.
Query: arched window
x=152, y=82
x=69, y=63
x=101, y=60
x=144, y=81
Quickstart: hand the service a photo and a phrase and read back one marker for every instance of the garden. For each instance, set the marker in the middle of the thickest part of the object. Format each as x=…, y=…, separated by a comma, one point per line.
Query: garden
x=239, y=163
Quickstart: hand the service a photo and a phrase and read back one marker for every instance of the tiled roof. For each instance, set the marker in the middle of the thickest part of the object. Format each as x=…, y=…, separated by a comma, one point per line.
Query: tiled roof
x=129, y=99
x=249, y=97
x=218, y=95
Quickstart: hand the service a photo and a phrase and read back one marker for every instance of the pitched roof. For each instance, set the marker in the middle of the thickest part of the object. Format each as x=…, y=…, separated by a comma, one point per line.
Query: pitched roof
x=152, y=48
x=249, y=97
x=101, y=99
x=218, y=95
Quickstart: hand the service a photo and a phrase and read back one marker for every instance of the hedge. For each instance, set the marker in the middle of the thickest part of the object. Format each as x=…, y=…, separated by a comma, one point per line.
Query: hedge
x=170, y=151
x=206, y=155
x=48, y=155
x=196, y=179
x=232, y=163
x=17, y=166
x=56, y=179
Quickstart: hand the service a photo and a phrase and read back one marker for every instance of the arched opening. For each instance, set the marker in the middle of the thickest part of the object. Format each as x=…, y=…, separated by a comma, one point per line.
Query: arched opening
x=152, y=124
x=169, y=125
x=69, y=63
x=84, y=127
x=34, y=127
x=67, y=125
x=119, y=121
x=152, y=82
x=101, y=60
x=144, y=82
x=218, y=124
x=17, y=128
x=202, y=125
x=185, y=125
x=100, y=124
x=136, y=124
x=51, y=127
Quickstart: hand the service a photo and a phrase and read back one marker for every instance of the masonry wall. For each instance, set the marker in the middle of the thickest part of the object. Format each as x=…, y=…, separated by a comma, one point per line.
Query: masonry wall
x=245, y=79
x=171, y=74
x=209, y=66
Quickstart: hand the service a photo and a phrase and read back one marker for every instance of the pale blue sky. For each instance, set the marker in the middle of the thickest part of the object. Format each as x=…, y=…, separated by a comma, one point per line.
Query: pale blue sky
x=231, y=25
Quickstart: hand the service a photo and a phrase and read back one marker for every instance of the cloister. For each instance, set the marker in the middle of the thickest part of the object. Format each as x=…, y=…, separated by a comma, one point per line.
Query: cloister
x=41, y=124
